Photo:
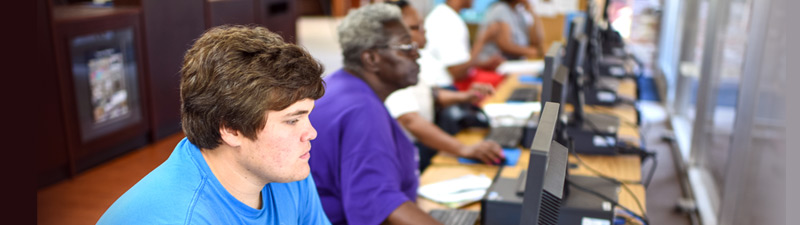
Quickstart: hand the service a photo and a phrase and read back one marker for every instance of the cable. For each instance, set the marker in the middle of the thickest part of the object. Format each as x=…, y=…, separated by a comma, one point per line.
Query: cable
x=643, y=154
x=622, y=183
x=598, y=173
x=652, y=171
x=606, y=198
x=624, y=149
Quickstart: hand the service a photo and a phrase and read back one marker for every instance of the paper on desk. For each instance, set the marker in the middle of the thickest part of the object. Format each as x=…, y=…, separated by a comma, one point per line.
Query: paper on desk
x=527, y=67
x=457, y=192
x=516, y=112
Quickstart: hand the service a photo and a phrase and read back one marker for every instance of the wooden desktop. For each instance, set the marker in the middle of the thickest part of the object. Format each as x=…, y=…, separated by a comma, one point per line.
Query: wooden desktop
x=622, y=167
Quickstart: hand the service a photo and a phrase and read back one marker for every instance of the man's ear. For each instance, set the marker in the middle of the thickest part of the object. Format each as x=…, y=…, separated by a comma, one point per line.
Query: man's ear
x=230, y=136
x=370, y=60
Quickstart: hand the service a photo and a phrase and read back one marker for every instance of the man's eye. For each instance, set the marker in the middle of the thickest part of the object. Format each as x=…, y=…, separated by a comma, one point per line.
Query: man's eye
x=292, y=122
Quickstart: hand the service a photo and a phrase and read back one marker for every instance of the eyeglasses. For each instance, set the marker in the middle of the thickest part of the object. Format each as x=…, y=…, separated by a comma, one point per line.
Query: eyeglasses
x=407, y=48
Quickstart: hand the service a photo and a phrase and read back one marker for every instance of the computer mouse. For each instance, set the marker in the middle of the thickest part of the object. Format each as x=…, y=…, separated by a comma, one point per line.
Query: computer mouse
x=473, y=116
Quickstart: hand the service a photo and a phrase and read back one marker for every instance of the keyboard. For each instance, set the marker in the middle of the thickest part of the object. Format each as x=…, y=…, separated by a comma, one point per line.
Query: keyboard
x=507, y=136
x=455, y=216
x=524, y=94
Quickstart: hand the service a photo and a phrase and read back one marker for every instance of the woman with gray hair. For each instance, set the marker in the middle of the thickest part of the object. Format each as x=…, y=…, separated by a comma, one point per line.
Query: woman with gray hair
x=365, y=167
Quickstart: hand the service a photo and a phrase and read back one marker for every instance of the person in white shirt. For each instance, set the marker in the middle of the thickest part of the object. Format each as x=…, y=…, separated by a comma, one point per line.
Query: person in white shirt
x=413, y=107
x=448, y=42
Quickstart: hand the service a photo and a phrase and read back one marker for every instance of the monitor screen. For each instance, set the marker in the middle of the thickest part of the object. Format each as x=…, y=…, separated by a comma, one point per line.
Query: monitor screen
x=547, y=171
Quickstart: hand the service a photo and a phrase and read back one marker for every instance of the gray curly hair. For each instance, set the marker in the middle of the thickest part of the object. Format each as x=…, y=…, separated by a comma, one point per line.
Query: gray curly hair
x=362, y=29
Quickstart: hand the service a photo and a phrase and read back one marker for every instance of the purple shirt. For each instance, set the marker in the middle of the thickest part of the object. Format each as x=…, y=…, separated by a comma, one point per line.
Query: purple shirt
x=361, y=160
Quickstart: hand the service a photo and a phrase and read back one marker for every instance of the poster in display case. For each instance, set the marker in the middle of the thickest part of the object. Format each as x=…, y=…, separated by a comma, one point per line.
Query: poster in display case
x=104, y=69
x=102, y=81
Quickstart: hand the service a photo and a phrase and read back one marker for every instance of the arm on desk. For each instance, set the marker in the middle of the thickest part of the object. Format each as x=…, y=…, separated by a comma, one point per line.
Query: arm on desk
x=409, y=213
x=429, y=134
x=476, y=93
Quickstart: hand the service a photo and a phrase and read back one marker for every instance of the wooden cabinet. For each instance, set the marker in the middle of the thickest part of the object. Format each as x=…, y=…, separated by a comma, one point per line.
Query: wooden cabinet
x=170, y=29
x=100, y=70
x=279, y=16
x=50, y=150
x=220, y=12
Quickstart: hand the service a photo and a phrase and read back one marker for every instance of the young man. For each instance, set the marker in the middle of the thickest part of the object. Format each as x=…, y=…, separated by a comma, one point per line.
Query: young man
x=365, y=166
x=245, y=100
x=413, y=107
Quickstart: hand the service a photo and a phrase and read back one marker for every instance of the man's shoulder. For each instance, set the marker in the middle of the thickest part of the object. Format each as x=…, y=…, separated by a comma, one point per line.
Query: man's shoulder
x=346, y=94
x=167, y=192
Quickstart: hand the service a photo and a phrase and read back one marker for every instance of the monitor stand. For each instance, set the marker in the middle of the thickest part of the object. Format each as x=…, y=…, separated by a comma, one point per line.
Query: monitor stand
x=587, y=140
x=580, y=207
x=603, y=92
x=614, y=67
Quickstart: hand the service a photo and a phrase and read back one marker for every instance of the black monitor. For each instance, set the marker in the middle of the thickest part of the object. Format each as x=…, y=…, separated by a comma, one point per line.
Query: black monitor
x=556, y=87
x=576, y=50
x=546, y=174
x=594, y=48
x=576, y=28
x=552, y=60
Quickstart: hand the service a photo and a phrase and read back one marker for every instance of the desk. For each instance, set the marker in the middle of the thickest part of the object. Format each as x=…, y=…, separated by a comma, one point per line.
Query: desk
x=622, y=167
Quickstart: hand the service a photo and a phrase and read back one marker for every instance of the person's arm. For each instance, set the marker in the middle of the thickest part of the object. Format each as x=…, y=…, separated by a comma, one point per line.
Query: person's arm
x=460, y=71
x=409, y=213
x=535, y=30
x=432, y=136
x=476, y=93
x=506, y=44
x=446, y=97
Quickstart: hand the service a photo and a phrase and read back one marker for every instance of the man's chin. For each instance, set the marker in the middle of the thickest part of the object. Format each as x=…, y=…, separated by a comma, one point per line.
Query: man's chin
x=303, y=172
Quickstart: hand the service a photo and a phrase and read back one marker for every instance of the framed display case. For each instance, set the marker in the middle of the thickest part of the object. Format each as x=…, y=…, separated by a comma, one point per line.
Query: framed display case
x=100, y=70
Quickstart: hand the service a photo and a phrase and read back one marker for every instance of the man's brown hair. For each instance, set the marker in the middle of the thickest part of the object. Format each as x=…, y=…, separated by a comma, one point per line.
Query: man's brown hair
x=233, y=74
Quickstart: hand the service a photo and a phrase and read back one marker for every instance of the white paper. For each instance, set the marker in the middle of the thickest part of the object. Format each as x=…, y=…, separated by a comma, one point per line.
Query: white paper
x=520, y=67
x=457, y=192
x=545, y=8
x=511, y=113
x=566, y=6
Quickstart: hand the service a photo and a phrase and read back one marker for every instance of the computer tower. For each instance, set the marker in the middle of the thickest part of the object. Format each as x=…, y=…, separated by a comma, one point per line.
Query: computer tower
x=580, y=206
x=596, y=134
x=503, y=201
x=501, y=205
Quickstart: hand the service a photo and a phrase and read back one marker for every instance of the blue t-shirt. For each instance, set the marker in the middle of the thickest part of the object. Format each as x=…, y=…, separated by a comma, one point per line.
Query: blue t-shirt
x=183, y=190
x=364, y=164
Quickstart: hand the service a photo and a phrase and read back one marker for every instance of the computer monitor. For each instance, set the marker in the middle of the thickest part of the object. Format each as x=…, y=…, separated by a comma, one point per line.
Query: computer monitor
x=547, y=171
x=576, y=50
x=593, y=49
x=576, y=29
x=556, y=88
x=552, y=60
